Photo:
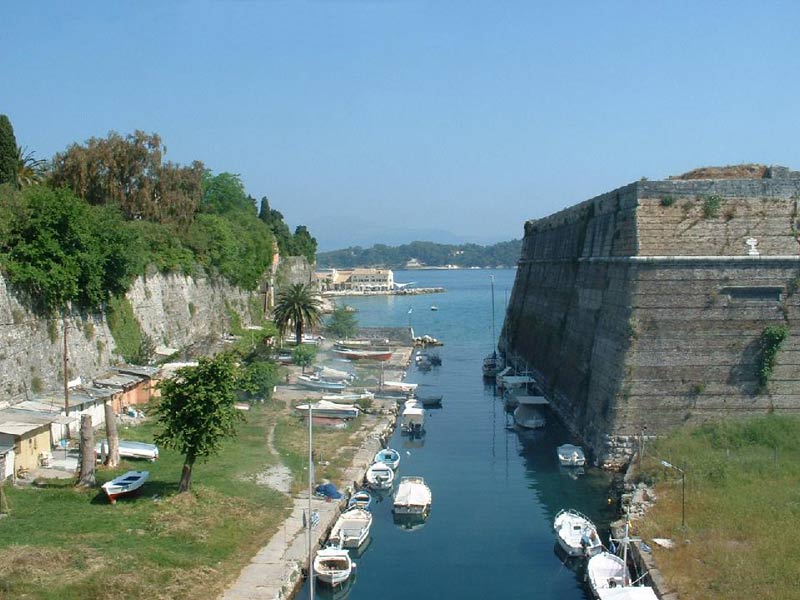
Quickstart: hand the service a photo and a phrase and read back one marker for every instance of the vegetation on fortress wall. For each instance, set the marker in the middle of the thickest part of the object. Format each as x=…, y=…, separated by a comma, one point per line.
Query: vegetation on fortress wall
x=108, y=209
x=503, y=254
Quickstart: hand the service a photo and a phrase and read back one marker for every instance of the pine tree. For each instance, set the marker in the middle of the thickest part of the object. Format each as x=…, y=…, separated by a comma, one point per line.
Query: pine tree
x=8, y=152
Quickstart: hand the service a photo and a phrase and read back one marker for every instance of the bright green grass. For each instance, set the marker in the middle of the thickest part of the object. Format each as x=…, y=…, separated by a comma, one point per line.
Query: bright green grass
x=742, y=507
x=62, y=543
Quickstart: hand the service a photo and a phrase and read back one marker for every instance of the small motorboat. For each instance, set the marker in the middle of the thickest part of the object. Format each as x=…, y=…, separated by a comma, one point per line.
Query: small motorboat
x=610, y=579
x=413, y=497
x=380, y=476
x=431, y=400
x=389, y=457
x=130, y=449
x=353, y=354
x=434, y=307
x=571, y=456
x=333, y=565
x=360, y=499
x=529, y=417
x=576, y=534
x=323, y=408
x=398, y=386
x=127, y=483
x=317, y=383
x=349, y=398
x=351, y=528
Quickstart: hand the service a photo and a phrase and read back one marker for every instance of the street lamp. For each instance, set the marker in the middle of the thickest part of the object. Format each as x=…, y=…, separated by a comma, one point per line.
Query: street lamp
x=683, y=490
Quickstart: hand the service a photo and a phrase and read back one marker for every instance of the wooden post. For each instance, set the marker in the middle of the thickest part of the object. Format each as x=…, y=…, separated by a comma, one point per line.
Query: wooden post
x=112, y=437
x=66, y=371
x=86, y=476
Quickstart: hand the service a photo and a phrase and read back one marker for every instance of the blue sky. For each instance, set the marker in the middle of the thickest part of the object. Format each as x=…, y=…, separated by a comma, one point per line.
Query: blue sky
x=388, y=121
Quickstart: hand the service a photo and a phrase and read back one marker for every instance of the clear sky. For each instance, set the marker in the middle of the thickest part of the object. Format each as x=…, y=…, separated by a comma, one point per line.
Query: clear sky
x=388, y=121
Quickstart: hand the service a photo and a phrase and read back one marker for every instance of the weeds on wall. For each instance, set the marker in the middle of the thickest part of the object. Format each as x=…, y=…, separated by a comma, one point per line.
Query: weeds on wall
x=667, y=200
x=132, y=344
x=769, y=344
x=711, y=206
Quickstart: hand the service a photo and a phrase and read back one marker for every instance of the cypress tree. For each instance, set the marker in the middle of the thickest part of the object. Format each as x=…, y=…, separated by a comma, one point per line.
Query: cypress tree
x=8, y=152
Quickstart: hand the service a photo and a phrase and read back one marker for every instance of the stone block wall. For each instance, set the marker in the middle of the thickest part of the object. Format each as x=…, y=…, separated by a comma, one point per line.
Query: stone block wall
x=174, y=310
x=641, y=309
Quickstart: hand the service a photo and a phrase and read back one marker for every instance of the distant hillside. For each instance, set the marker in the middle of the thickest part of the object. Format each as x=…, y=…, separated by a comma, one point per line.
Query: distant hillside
x=430, y=254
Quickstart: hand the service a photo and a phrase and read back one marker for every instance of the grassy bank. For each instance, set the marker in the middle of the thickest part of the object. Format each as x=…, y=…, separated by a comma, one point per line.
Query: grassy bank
x=62, y=543
x=742, y=507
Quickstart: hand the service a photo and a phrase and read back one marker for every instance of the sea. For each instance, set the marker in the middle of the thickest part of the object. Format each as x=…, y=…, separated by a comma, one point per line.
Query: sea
x=496, y=488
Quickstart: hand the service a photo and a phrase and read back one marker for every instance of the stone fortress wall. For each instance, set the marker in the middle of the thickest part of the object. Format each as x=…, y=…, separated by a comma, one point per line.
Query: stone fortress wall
x=641, y=309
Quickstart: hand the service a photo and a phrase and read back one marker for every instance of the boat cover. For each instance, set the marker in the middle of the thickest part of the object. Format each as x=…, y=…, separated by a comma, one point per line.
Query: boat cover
x=328, y=490
x=412, y=493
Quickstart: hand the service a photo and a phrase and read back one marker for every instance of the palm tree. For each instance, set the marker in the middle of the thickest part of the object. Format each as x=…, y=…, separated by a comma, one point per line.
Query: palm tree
x=298, y=305
x=30, y=170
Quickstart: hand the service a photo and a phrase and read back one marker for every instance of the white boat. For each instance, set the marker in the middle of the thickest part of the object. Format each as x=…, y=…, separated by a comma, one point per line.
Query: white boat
x=576, y=534
x=570, y=455
x=323, y=408
x=412, y=420
x=380, y=476
x=412, y=403
x=348, y=398
x=398, y=386
x=360, y=499
x=130, y=449
x=529, y=417
x=333, y=565
x=492, y=364
x=330, y=374
x=434, y=307
x=125, y=484
x=388, y=456
x=351, y=528
x=610, y=579
x=413, y=497
x=316, y=383
x=354, y=354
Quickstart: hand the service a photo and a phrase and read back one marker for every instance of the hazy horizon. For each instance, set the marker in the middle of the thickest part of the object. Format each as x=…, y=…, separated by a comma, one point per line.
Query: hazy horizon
x=384, y=122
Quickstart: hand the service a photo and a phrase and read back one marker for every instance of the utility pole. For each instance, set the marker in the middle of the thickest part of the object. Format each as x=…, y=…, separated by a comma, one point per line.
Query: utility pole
x=66, y=369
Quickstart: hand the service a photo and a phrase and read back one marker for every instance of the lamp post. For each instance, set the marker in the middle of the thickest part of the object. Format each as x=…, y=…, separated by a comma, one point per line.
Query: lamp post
x=683, y=490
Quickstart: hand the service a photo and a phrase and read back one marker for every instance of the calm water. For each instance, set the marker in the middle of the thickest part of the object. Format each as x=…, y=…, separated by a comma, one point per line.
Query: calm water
x=495, y=489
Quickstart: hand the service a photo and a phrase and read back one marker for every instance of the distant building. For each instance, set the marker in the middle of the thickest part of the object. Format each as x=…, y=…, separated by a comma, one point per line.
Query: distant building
x=360, y=280
x=413, y=263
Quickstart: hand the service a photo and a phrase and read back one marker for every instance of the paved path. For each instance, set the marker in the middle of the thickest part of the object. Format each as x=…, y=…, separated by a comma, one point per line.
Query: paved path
x=276, y=571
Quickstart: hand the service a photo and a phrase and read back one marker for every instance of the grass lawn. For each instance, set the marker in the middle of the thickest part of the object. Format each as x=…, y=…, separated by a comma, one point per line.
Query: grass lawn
x=62, y=543
x=742, y=509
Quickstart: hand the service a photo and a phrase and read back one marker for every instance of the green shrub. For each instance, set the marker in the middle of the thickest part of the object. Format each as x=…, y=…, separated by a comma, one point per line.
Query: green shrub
x=667, y=200
x=126, y=330
x=36, y=385
x=769, y=343
x=711, y=206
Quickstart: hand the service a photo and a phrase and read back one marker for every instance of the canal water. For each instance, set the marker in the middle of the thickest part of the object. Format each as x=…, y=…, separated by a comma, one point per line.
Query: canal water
x=496, y=489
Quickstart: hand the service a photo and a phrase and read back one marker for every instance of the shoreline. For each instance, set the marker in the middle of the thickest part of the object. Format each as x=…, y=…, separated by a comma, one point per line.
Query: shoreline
x=278, y=570
x=403, y=292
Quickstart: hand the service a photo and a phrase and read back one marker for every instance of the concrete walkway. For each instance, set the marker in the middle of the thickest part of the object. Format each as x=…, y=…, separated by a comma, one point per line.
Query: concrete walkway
x=277, y=570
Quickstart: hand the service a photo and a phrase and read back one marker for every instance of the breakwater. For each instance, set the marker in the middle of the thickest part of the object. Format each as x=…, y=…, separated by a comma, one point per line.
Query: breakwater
x=643, y=308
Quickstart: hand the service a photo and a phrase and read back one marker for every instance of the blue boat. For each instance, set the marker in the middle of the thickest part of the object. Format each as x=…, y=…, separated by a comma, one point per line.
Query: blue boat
x=361, y=499
x=388, y=456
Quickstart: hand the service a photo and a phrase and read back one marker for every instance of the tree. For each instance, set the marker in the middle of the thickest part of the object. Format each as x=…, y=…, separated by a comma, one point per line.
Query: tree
x=304, y=245
x=342, y=323
x=30, y=170
x=61, y=250
x=8, y=152
x=300, y=306
x=304, y=355
x=128, y=172
x=259, y=378
x=196, y=411
x=86, y=476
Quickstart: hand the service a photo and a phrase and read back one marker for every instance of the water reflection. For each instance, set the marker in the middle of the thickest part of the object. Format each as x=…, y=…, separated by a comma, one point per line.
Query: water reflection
x=339, y=592
x=409, y=522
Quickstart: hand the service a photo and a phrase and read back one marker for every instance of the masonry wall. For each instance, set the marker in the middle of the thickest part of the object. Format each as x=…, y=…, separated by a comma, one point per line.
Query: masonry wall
x=174, y=310
x=641, y=309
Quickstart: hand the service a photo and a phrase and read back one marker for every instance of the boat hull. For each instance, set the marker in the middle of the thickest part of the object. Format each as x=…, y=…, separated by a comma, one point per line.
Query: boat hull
x=126, y=484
